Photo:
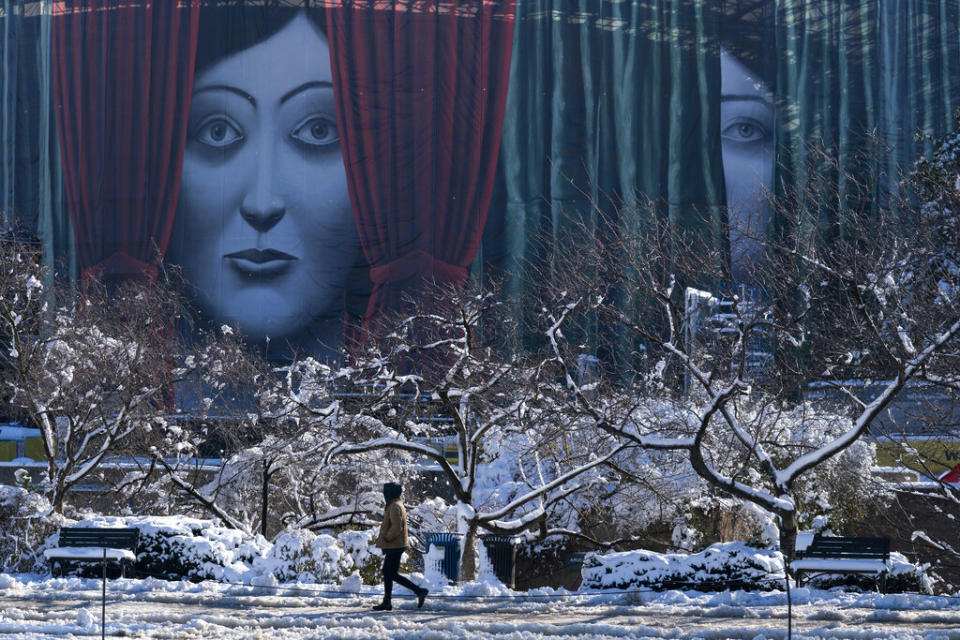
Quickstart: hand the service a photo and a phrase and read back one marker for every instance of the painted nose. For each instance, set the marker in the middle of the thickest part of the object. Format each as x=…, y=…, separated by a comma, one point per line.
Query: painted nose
x=262, y=215
x=262, y=207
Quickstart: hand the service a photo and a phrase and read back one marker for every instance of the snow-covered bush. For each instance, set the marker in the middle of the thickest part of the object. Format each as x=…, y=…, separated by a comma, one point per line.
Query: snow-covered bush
x=721, y=566
x=903, y=577
x=24, y=525
x=365, y=557
x=301, y=555
x=841, y=491
x=176, y=547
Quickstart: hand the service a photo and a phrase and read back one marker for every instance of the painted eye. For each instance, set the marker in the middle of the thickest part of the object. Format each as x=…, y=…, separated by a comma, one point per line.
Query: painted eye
x=316, y=131
x=218, y=132
x=745, y=131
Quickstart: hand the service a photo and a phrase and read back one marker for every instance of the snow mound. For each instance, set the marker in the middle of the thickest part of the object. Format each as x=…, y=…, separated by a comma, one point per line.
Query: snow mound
x=721, y=566
x=85, y=620
x=352, y=583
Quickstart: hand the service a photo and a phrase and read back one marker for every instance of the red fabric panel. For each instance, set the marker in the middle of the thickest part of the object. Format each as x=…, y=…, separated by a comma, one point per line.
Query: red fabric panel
x=421, y=89
x=123, y=77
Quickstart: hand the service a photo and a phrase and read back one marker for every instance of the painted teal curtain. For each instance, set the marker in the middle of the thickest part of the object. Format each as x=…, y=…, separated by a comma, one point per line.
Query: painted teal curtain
x=859, y=81
x=31, y=179
x=610, y=104
x=615, y=102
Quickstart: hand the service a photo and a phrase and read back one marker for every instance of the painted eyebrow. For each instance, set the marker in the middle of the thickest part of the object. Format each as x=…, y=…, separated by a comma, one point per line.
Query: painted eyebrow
x=223, y=87
x=323, y=84
x=729, y=97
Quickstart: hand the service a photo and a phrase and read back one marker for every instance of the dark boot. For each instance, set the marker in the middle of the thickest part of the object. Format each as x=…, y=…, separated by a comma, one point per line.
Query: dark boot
x=384, y=606
x=421, y=596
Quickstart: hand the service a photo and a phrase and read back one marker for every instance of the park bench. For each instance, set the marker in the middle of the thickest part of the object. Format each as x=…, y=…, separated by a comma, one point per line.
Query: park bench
x=838, y=554
x=80, y=544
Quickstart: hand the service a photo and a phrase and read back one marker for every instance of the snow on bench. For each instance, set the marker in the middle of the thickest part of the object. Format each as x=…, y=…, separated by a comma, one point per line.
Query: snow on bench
x=90, y=553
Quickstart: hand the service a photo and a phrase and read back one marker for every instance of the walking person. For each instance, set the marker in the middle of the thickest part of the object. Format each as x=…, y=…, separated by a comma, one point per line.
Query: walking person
x=393, y=540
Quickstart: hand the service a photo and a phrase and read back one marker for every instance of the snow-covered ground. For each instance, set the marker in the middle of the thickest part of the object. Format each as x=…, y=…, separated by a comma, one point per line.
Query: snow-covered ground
x=36, y=607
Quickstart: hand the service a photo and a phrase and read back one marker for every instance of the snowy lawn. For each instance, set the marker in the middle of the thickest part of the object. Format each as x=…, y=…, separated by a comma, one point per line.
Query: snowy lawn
x=35, y=607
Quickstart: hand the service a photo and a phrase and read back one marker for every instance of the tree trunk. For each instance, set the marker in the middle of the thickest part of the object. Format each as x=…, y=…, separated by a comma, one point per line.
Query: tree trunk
x=57, y=503
x=58, y=492
x=264, y=499
x=468, y=557
x=788, y=535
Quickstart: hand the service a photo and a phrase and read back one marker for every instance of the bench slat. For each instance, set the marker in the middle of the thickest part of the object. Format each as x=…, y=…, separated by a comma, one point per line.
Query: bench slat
x=93, y=554
x=126, y=538
x=847, y=547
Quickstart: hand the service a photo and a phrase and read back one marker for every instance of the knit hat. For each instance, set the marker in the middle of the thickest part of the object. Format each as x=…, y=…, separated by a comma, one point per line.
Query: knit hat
x=391, y=491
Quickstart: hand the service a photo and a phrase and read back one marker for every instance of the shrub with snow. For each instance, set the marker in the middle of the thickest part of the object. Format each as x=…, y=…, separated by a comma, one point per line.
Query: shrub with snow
x=721, y=566
x=300, y=555
x=292, y=556
x=24, y=525
x=366, y=558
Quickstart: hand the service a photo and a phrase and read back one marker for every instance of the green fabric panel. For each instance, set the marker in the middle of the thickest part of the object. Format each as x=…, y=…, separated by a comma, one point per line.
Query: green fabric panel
x=8, y=451
x=34, y=449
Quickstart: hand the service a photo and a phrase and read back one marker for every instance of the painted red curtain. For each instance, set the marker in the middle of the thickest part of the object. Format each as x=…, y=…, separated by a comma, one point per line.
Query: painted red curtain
x=123, y=77
x=421, y=88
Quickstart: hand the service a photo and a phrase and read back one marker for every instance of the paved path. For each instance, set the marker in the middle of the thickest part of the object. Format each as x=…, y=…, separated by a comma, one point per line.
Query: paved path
x=205, y=615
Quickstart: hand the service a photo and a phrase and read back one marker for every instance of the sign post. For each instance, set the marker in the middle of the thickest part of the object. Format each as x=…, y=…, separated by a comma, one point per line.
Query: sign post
x=103, y=601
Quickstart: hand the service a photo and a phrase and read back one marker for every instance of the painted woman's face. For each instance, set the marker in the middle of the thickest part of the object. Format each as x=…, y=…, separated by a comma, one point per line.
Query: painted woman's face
x=746, y=116
x=264, y=228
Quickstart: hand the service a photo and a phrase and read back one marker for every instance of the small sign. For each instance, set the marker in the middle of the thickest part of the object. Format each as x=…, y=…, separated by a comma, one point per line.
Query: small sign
x=574, y=560
x=952, y=476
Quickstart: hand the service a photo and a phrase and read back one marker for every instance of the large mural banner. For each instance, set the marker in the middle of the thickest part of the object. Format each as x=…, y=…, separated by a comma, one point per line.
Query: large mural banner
x=306, y=163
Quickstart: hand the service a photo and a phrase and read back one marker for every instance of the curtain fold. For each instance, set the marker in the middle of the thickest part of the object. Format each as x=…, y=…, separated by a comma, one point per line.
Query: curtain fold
x=420, y=92
x=613, y=106
x=612, y=103
x=856, y=82
x=123, y=77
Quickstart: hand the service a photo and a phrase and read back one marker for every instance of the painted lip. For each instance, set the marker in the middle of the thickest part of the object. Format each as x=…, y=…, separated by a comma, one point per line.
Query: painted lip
x=261, y=262
x=260, y=256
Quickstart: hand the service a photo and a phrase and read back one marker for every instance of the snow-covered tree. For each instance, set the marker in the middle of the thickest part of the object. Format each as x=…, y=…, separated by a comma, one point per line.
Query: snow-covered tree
x=250, y=446
x=931, y=290
x=450, y=388
x=90, y=373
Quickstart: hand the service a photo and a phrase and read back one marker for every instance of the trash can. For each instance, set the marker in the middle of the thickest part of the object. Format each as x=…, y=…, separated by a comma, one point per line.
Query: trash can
x=502, y=551
x=450, y=543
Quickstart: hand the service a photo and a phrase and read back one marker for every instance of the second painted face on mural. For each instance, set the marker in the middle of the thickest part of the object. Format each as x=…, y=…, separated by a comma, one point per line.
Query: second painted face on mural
x=264, y=230
x=747, y=121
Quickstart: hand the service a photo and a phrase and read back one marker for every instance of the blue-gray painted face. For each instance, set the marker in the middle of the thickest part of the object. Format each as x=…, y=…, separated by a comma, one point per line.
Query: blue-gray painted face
x=747, y=121
x=264, y=228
